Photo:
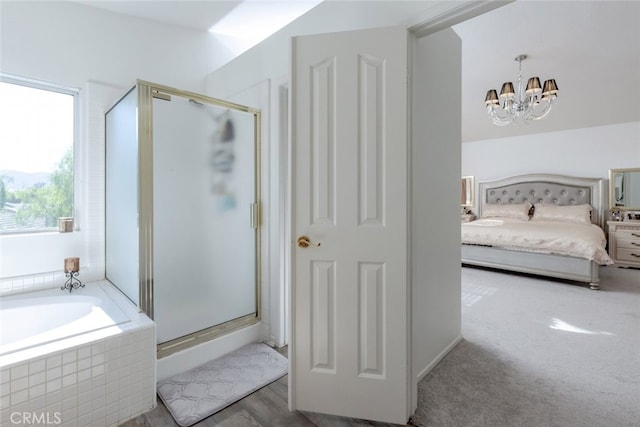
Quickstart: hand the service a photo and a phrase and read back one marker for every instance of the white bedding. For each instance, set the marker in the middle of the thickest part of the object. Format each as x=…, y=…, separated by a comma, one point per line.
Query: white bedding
x=576, y=240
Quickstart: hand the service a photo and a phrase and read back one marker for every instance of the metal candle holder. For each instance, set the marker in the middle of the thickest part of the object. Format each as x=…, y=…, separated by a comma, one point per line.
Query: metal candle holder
x=72, y=282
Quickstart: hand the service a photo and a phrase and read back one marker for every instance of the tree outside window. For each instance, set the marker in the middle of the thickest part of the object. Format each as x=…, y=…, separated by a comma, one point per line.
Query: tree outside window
x=37, y=129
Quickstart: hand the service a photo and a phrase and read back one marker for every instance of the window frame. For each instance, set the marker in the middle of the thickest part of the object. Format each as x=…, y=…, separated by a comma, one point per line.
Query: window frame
x=75, y=145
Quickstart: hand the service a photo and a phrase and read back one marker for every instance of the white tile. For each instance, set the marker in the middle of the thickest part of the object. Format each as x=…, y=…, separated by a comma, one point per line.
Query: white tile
x=111, y=367
x=84, y=387
x=98, y=348
x=97, y=371
x=84, y=420
x=5, y=417
x=112, y=415
x=84, y=364
x=37, y=403
x=84, y=352
x=54, y=397
x=97, y=359
x=113, y=344
x=37, y=390
x=69, y=415
x=19, y=397
x=98, y=414
x=98, y=381
x=69, y=368
x=5, y=375
x=125, y=412
x=37, y=378
x=71, y=390
x=20, y=407
x=5, y=402
x=84, y=398
x=19, y=384
x=37, y=366
x=54, y=361
x=54, y=385
x=19, y=371
x=84, y=375
x=69, y=356
x=99, y=392
x=84, y=409
x=5, y=389
x=70, y=402
x=53, y=409
x=112, y=387
x=69, y=380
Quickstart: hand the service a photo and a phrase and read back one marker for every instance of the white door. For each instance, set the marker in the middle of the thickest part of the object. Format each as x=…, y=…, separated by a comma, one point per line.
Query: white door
x=350, y=309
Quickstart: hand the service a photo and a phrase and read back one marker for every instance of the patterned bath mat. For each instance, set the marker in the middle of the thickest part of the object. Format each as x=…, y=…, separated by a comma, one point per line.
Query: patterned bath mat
x=209, y=388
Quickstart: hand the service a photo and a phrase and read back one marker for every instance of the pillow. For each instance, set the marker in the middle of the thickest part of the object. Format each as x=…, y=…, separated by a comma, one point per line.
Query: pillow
x=579, y=214
x=515, y=211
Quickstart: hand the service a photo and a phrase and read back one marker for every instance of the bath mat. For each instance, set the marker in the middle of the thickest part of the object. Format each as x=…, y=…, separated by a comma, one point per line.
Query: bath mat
x=209, y=388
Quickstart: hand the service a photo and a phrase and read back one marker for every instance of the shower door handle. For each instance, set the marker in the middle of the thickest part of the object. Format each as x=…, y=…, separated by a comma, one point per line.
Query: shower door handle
x=305, y=242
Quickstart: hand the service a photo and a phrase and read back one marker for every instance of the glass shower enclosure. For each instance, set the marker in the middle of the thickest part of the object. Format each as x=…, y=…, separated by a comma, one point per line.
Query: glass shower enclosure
x=182, y=213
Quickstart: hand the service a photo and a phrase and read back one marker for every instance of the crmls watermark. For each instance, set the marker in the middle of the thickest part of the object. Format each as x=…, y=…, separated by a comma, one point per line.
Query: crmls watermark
x=36, y=418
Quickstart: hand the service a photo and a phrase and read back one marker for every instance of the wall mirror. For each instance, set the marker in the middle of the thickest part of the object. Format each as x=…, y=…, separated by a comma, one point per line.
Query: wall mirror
x=624, y=189
x=466, y=194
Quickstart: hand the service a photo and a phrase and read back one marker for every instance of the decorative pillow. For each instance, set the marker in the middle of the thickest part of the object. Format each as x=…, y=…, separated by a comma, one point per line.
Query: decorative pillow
x=515, y=211
x=579, y=214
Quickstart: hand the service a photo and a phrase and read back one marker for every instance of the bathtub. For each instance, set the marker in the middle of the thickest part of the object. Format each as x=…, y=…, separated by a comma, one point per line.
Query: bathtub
x=81, y=358
x=38, y=318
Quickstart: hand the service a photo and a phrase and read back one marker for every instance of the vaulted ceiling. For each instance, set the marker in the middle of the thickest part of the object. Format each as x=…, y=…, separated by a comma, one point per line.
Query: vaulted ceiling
x=591, y=49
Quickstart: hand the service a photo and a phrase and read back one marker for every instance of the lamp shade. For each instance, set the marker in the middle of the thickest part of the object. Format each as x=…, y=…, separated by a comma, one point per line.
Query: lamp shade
x=491, y=98
x=507, y=90
x=533, y=86
x=550, y=88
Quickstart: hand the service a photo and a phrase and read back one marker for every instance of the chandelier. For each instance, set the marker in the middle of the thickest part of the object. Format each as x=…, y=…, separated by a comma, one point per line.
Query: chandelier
x=532, y=103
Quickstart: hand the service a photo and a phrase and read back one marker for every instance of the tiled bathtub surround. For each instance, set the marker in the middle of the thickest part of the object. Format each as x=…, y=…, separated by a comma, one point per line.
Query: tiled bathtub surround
x=104, y=382
x=36, y=282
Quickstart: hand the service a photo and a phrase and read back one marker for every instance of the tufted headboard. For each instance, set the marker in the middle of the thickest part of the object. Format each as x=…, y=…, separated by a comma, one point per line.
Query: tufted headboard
x=546, y=188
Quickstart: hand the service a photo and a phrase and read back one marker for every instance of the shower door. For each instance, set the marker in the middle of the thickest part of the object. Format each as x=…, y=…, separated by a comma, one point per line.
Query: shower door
x=204, y=217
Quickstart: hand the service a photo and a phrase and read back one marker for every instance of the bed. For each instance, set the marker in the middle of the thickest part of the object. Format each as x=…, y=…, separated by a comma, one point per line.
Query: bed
x=502, y=206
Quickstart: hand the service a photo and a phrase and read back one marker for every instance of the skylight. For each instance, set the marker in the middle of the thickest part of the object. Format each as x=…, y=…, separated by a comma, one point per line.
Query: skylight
x=252, y=21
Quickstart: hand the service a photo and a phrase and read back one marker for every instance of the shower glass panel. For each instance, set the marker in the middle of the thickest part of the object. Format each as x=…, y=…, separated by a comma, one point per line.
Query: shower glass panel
x=182, y=216
x=121, y=210
x=204, y=189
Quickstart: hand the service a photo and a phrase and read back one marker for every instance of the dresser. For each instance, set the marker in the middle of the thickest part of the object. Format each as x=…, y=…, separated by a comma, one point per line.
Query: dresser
x=624, y=243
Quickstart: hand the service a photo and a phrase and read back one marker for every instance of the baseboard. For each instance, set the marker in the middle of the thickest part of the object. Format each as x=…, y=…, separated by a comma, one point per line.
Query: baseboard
x=423, y=373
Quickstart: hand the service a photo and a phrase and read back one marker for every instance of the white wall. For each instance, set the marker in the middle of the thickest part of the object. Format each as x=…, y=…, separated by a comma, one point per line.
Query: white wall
x=435, y=226
x=102, y=53
x=587, y=152
x=270, y=59
x=70, y=43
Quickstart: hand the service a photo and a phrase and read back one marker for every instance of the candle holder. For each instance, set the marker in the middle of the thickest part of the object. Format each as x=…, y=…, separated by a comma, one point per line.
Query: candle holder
x=71, y=272
x=72, y=281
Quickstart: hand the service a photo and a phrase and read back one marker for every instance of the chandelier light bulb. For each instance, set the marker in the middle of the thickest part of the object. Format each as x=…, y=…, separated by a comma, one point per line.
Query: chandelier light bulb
x=532, y=102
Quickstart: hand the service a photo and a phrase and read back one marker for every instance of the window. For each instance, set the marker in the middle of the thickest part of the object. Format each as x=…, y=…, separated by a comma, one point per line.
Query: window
x=37, y=133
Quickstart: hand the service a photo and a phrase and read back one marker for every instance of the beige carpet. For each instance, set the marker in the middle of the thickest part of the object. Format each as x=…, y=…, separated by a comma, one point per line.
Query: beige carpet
x=538, y=352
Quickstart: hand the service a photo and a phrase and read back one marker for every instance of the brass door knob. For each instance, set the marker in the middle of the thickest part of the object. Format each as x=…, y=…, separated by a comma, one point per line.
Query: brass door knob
x=305, y=242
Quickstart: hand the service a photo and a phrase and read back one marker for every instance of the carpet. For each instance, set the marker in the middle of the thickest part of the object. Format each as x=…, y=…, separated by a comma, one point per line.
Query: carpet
x=539, y=353
x=211, y=387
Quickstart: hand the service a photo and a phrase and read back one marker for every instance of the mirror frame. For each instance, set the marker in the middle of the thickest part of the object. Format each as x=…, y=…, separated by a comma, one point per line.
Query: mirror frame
x=470, y=191
x=612, y=202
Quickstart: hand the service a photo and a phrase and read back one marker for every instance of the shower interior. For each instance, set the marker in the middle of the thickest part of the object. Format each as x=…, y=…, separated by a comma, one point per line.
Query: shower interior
x=182, y=212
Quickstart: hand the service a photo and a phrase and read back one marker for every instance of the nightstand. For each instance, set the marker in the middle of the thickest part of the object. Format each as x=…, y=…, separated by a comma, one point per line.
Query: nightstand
x=624, y=243
x=467, y=217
